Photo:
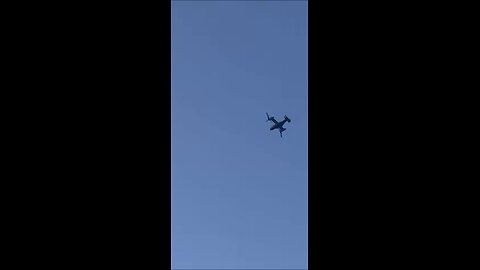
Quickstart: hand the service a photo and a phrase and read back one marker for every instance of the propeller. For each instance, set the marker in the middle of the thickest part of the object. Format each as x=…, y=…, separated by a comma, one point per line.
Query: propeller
x=268, y=118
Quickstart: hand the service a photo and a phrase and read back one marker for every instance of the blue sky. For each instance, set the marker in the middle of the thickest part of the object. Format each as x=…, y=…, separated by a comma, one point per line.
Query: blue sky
x=239, y=191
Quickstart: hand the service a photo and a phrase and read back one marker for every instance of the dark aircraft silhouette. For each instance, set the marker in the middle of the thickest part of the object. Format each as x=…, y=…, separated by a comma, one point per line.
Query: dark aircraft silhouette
x=278, y=125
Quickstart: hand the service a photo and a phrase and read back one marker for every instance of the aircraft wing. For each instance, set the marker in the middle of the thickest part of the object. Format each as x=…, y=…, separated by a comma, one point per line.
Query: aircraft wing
x=273, y=120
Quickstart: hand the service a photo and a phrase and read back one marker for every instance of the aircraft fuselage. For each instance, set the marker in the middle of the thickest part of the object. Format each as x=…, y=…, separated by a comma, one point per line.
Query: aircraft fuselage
x=278, y=125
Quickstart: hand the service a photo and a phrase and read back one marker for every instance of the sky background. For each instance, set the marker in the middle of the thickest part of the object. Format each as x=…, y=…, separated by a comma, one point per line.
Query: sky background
x=239, y=191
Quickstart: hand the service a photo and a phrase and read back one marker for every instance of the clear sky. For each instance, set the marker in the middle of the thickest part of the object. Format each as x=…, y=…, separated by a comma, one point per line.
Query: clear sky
x=239, y=191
